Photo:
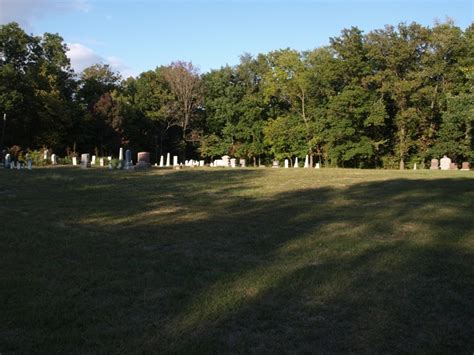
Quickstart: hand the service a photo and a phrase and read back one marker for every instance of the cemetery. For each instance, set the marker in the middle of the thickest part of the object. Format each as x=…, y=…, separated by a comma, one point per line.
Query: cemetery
x=311, y=200
x=210, y=258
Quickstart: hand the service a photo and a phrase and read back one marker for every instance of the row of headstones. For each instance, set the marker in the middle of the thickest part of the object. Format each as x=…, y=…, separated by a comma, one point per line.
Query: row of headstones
x=446, y=164
x=93, y=160
x=9, y=164
x=276, y=164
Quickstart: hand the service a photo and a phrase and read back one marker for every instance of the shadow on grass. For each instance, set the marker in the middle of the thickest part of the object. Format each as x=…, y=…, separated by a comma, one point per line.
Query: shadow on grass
x=217, y=261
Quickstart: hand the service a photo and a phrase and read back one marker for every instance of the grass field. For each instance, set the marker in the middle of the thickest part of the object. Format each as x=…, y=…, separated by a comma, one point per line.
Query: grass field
x=220, y=260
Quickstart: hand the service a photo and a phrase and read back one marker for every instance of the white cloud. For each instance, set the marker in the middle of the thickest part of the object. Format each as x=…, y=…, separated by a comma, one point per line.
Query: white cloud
x=27, y=12
x=82, y=57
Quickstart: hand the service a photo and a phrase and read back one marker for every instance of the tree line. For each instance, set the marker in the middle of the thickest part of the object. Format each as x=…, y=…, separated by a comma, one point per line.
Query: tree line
x=389, y=98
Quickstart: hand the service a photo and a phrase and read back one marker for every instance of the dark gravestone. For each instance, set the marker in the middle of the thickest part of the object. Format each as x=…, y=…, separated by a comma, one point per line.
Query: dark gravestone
x=143, y=160
x=128, y=159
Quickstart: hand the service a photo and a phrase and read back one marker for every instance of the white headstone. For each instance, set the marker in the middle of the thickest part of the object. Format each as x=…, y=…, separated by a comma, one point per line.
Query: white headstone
x=161, y=161
x=101, y=161
x=54, y=160
x=445, y=163
x=121, y=154
x=93, y=160
x=29, y=164
x=243, y=163
x=306, y=161
x=317, y=166
x=233, y=163
x=201, y=163
x=45, y=155
x=414, y=166
x=85, y=161
x=175, y=160
x=225, y=160
x=296, y=163
x=168, y=159
x=286, y=163
x=74, y=161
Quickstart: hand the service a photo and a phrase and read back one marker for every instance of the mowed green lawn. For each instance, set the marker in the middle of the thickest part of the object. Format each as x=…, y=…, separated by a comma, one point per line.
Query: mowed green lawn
x=221, y=260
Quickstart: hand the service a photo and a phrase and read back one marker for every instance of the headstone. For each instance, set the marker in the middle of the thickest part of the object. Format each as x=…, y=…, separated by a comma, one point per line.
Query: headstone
x=233, y=163
x=161, y=161
x=109, y=158
x=74, y=161
x=434, y=164
x=318, y=165
x=414, y=166
x=101, y=161
x=121, y=154
x=18, y=165
x=128, y=160
x=175, y=160
x=202, y=163
x=45, y=154
x=242, y=163
x=143, y=160
x=445, y=163
x=12, y=165
x=275, y=164
x=465, y=166
x=186, y=163
x=85, y=161
x=453, y=166
x=8, y=161
x=93, y=160
x=54, y=159
x=296, y=163
x=286, y=163
x=306, y=161
x=29, y=164
x=225, y=160
x=168, y=159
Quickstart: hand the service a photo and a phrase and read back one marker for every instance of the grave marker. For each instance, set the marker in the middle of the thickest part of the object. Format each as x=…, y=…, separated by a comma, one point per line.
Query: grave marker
x=445, y=163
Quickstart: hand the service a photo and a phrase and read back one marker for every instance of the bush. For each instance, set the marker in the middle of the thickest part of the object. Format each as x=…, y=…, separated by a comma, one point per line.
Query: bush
x=36, y=157
x=65, y=161
x=116, y=163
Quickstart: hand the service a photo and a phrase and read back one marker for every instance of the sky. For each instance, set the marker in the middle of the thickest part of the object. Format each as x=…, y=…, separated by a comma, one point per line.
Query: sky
x=136, y=36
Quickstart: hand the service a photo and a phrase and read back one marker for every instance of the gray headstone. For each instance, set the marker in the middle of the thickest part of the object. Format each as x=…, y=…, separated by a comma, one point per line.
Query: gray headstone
x=85, y=161
x=128, y=159
x=8, y=161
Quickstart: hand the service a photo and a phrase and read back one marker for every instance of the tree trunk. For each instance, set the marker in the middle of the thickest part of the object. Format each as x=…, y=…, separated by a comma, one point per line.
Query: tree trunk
x=402, y=164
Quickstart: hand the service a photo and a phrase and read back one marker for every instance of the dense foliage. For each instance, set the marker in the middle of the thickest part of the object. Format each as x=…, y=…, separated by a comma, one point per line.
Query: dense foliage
x=389, y=98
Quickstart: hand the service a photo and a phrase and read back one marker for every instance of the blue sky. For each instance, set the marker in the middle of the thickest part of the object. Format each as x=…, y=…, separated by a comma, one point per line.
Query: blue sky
x=134, y=36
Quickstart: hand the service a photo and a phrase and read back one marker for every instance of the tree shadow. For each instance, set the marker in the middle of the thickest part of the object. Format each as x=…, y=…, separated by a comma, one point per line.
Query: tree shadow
x=207, y=261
